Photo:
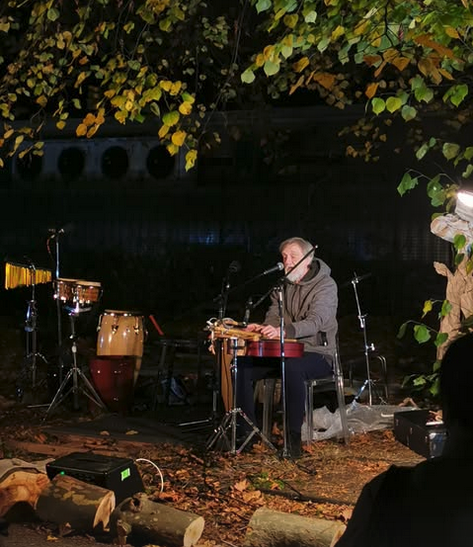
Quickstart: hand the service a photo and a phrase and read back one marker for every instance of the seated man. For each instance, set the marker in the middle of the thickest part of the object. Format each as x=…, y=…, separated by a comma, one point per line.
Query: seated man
x=429, y=504
x=309, y=309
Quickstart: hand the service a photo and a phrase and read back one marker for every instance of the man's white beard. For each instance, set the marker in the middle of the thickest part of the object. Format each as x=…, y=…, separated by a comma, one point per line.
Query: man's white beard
x=296, y=275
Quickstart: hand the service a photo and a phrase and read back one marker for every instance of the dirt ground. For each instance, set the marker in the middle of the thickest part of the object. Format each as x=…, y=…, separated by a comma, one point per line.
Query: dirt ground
x=223, y=488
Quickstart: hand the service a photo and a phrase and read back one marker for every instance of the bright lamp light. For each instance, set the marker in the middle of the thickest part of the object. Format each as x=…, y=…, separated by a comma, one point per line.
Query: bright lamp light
x=464, y=207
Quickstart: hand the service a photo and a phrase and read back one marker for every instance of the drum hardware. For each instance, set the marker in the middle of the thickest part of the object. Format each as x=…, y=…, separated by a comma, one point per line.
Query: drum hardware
x=228, y=424
x=29, y=365
x=74, y=374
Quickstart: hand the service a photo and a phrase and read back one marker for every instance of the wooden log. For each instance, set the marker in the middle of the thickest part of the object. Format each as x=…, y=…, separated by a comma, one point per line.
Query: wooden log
x=268, y=528
x=155, y=523
x=80, y=505
x=21, y=481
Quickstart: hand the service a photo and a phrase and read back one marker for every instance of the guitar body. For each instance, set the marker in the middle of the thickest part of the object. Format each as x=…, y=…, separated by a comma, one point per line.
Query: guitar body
x=272, y=348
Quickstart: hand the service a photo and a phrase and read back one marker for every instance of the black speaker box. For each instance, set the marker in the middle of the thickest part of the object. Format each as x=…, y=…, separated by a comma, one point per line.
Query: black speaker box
x=415, y=429
x=117, y=474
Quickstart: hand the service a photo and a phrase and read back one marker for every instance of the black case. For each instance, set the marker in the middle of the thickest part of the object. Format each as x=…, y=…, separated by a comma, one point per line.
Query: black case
x=411, y=429
x=117, y=474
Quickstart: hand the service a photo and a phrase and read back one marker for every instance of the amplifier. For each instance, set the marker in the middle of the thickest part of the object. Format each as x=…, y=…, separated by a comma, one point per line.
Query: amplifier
x=117, y=474
x=414, y=429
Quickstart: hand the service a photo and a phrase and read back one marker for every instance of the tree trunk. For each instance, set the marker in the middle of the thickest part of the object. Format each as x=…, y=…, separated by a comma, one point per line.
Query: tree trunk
x=269, y=528
x=152, y=522
x=79, y=504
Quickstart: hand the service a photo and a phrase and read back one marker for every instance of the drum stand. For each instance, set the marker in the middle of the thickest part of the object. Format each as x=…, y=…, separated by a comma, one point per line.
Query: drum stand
x=229, y=421
x=76, y=374
x=29, y=366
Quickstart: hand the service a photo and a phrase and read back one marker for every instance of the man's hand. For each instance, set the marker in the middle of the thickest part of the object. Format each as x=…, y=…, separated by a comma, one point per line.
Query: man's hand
x=266, y=330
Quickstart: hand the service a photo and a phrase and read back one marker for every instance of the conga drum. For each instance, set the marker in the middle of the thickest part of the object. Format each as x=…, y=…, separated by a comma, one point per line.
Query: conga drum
x=121, y=333
x=113, y=378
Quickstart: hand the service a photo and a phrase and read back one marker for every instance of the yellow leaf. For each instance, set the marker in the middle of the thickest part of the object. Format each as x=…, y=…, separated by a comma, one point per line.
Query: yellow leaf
x=325, y=79
x=191, y=157
x=8, y=134
x=89, y=119
x=2, y=163
x=178, y=138
x=446, y=74
x=450, y=31
x=379, y=69
x=185, y=109
x=121, y=116
x=268, y=53
x=129, y=105
x=371, y=60
x=339, y=31
x=92, y=130
x=291, y=20
x=390, y=54
x=175, y=88
x=301, y=64
x=82, y=76
x=42, y=100
x=163, y=131
x=166, y=85
x=298, y=84
x=425, y=40
x=172, y=149
x=361, y=28
x=61, y=125
x=81, y=130
x=371, y=89
x=401, y=63
x=259, y=61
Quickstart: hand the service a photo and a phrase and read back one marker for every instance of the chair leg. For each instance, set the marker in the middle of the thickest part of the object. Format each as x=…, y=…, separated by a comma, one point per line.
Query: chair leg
x=309, y=409
x=268, y=398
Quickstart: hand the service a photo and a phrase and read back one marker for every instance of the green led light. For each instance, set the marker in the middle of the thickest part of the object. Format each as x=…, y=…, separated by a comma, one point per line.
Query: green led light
x=125, y=473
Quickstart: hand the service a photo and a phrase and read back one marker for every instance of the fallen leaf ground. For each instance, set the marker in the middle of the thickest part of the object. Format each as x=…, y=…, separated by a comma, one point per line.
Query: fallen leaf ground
x=223, y=488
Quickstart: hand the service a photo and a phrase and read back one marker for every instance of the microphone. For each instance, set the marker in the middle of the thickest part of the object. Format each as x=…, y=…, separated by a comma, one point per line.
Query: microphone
x=234, y=267
x=248, y=306
x=56, y=232
x=279, y=266
x=358, y=278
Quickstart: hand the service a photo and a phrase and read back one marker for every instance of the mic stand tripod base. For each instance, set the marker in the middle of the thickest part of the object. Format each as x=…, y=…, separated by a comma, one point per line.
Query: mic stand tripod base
x=229, y=423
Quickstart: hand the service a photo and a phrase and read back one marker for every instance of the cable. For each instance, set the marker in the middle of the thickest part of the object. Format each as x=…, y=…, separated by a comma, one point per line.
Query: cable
x=156, y=467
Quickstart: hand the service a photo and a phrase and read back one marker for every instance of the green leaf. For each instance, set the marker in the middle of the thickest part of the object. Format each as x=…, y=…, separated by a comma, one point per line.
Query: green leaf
x=459, y=242
x=378, y=105
x=402, y=330
x=460, y=92
x=422, y=151
x=450, y=150
x=53, y=14
x=263, y=5
x=310, y=17
x=248, y=76
x=407, y=183
x=271, y=68
x=446, y=308
x=171, y=118
x=440, y=339
x=323, y=44
x=421, y=334
x=408, y=112
x=393, y=104
x=459, y=258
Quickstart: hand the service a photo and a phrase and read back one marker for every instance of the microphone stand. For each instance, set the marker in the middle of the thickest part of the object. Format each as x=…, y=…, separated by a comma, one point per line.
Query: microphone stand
x=367, y=347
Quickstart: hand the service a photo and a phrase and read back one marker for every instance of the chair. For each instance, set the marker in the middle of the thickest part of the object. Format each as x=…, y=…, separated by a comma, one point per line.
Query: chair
x=334, y=382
